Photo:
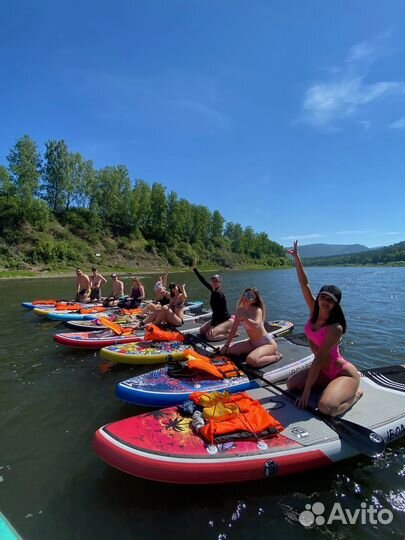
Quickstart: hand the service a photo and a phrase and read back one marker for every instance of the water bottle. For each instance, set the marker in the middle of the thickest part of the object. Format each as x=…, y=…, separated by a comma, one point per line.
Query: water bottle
x=197, y=420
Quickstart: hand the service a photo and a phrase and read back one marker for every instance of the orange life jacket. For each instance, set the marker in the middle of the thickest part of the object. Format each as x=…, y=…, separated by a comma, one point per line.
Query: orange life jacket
x=237, y=412
x=116, y=328
x=154, y=333
x=220, y=367
x=92, y=310
x=68, y=307
x=134, y=311
x=44, y=302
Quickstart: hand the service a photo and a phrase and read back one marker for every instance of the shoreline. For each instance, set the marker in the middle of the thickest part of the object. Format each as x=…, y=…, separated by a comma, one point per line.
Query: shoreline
x=43, y=274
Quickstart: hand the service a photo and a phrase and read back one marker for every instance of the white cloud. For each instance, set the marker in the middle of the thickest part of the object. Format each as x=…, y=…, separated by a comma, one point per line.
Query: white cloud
x=302, y=236
x=398, y=124
x=360, y=51
x=368, y=231
x=393, y=233
x=327, y=102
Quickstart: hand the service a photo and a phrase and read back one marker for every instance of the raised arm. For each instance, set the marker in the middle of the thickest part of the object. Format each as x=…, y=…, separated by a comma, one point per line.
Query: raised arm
x=202, y=279
x=302, y=278
x=182, y=288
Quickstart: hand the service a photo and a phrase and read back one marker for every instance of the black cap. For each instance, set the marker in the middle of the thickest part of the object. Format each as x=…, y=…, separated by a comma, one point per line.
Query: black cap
x=172, y=285
x=217, y=277
x=334, y=292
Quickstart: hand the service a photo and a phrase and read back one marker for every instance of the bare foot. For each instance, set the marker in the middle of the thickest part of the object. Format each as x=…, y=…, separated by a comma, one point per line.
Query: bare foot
x=358, y=395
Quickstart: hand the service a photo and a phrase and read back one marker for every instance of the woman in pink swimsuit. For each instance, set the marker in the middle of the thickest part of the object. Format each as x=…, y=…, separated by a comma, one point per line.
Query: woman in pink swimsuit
x=329, y=371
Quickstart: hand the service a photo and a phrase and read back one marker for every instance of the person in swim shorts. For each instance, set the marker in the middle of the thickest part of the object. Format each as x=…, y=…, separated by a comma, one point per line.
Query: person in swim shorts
x=117, y=291
x=337, y=378
x=96, y=281
x=260, y=348
x=82, y=286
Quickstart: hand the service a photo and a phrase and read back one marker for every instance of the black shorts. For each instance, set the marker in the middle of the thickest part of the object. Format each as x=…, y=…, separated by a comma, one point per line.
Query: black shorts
x=95, y=294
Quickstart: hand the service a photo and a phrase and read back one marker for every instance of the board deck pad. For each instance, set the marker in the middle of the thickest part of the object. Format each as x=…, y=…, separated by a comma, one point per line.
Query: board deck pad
x=158, y=388
x=163, y=446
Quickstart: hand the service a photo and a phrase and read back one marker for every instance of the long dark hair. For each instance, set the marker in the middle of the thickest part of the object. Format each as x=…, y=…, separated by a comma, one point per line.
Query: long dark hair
x=336, y=316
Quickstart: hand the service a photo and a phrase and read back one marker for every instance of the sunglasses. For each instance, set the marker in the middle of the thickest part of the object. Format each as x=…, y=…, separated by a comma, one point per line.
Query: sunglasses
x=250, y=295
x=326, y=298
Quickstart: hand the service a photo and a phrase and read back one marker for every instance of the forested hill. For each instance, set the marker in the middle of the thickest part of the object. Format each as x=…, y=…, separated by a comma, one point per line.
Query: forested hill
x=394, y=254
x=330, y=250
x=57, y=212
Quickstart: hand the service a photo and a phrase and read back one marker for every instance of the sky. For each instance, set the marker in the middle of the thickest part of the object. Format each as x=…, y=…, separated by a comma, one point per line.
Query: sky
x=285, y=116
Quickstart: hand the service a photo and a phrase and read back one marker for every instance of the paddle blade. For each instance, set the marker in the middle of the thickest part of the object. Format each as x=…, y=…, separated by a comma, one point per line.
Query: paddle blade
x=363, y=439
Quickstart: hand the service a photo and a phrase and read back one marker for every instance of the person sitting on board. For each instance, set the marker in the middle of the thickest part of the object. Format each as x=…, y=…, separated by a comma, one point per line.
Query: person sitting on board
x=117, y=291
x=83, y=286
x=171, y=314
x=160, y=287
x=96, y=281
x=337, y=378
x=260, y=348
x=220, y=324
x=137, y=294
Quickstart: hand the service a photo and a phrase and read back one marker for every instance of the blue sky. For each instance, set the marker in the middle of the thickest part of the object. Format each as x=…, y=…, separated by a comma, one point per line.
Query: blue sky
x=286, y=116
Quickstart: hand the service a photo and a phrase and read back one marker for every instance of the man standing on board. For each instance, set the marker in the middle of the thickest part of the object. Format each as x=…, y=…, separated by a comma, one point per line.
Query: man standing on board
x=96, y=281
x=83, y=286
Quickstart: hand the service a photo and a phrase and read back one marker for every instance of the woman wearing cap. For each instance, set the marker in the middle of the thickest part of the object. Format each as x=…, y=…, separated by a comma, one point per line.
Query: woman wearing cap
x=330, y=372
x=260, y=348
x=220, y=324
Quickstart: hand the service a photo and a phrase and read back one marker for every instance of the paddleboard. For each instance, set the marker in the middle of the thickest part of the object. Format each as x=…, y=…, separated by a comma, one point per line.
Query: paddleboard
x=69, y=316
x=198, y=319
x=147, y=352
x=144, y=352
x=7, y=531
x=161, y=445
x=157, y=389
x=95, y=340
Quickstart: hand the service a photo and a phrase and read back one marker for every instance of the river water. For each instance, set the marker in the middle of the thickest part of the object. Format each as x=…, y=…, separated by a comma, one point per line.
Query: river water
x=52, y=486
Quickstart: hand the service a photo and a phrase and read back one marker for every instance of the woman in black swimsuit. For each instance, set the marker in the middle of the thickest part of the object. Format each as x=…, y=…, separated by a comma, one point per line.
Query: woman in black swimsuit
x=220, y=324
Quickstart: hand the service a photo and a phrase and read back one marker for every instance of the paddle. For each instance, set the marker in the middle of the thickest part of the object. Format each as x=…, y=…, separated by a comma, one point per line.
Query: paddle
x=365, y=440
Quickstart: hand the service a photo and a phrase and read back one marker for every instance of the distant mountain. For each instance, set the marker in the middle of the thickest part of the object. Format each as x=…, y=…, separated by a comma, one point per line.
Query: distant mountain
x=330, y=250
x=393, y=255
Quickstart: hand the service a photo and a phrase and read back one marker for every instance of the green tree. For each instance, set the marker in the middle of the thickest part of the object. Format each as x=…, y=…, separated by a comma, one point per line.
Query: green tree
x=6, y=183
x=140, y=206
x=113, y=198
x=82, y=181
x=234, y=232
x=217, y=226
x=157, y=225
x=57, y=182
x=201, y=224
x=25, y=168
